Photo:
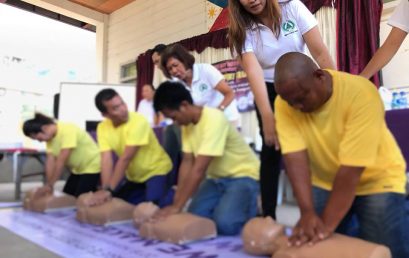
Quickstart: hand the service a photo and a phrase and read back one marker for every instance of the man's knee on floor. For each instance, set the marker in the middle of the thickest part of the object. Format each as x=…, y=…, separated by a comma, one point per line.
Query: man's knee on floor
x=227, y=226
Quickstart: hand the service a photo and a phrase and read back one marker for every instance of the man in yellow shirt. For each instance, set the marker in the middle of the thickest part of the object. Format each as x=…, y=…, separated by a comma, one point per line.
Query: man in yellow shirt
x=212, y=148
x=141, y=160
x=333, y=134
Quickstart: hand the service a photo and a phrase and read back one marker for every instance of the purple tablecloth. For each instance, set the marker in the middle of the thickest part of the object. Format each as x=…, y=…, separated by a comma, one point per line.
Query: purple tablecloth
x=398, y=123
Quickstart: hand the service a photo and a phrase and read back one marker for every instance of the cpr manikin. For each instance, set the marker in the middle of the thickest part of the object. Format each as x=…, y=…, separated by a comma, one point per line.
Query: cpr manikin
x=143, y=212
x=178, y=228
x=262, y=236
x=114, y=210
x=39, y=200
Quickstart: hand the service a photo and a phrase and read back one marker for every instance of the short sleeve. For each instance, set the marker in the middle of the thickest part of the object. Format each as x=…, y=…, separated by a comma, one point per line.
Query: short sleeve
x=288, y=129
x=249, y=42
x=186, y=143
x=361, y=139
x=305, y=19
x=400, y=17
x=213, y=76
x=102, y=134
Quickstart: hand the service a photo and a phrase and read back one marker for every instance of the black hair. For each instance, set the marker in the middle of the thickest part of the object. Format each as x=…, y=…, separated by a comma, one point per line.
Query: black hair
x=104, y=95
x=178, y=52
x=34, y=125
x=159, y=48
x=170, y=95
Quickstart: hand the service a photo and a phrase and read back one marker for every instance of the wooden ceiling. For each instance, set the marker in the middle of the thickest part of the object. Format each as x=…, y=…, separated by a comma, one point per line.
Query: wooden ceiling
x=103, y=6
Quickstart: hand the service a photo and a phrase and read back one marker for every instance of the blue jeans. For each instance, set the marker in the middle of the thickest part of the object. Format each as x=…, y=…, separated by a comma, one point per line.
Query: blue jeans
x=155, y=190
x=229, y=202
x=381, y=217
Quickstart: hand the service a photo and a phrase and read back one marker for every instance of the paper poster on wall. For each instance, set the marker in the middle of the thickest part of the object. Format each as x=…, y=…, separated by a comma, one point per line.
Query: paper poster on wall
x=237, y=80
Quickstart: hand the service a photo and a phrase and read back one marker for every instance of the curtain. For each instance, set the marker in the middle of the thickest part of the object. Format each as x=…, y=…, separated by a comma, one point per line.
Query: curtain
x=144, y=72
x=315, y=5
x=327, y=19
x=358, y=23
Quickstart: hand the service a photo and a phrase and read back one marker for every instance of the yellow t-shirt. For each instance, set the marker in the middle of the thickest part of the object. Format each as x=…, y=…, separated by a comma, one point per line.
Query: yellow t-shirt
x=84, y=157
x=214, y=136
x=348, y=130
x=150, y=159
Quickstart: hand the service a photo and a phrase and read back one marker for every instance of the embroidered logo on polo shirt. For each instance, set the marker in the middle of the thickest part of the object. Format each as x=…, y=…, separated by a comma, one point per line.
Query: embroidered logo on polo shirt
x=289, y=27
x=203, y=87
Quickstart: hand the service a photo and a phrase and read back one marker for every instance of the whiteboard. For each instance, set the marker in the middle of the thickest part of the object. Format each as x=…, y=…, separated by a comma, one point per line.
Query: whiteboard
x=77, y=101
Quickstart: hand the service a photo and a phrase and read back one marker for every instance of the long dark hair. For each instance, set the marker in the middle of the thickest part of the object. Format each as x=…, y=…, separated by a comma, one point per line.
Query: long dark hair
x=240, y=20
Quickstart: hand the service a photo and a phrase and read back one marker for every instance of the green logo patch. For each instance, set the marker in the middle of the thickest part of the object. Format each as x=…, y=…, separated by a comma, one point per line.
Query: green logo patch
x=289, y=27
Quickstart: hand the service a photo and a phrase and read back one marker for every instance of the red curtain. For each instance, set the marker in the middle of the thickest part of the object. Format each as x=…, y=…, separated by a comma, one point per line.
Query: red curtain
x=315, y=5
x=358, y=23
x=144, y=73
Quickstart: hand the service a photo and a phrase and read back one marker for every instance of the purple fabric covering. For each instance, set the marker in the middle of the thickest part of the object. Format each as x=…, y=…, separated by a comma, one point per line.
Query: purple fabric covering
x=398, y=123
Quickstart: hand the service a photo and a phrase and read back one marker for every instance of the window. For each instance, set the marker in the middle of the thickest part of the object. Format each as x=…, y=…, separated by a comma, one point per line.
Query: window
x=128, y=73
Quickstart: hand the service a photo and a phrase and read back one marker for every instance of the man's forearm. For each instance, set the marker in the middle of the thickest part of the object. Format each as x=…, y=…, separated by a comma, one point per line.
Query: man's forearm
x=119, y=172
x=342, y=195
x=193, y=174
x=186, y=190
x=298, y=171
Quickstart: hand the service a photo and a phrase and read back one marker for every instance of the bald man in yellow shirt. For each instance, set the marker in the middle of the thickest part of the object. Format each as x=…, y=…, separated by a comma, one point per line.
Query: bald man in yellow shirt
x=218, y=170
x=333, y=135
x=139, y=175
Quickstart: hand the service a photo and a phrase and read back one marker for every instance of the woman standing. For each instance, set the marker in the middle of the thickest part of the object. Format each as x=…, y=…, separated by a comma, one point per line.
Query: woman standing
x=260, y=31
x=67, y=145
x=205, y=83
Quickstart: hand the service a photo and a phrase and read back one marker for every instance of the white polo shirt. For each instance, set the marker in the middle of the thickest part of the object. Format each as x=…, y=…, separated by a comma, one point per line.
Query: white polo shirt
x=205, y=79
x=146, y=109
x=400, y=17
x=296, y=21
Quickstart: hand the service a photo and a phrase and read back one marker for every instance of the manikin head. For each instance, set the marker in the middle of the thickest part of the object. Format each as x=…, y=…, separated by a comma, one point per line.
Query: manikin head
x=41, y=128
x=300, y=82
x=112, y=106
x=259, y=236
x=175, y=102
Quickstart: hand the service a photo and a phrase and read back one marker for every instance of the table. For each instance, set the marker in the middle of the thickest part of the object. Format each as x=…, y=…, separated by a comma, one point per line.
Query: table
x=19, y=157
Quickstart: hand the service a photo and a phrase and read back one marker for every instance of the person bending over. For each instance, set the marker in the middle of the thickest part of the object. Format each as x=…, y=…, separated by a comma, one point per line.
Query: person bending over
x=218, y=169
x=67, y=146
x=339, y=154
x=140, y=172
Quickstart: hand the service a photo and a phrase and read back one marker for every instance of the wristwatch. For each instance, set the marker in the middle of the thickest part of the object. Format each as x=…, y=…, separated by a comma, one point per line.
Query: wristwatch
x=108, y=188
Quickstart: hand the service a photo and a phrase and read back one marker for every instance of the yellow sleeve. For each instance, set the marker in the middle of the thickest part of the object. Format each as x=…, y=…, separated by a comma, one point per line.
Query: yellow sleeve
x=68, y=137
x=288, y=129
x=364, y=121
x=214, y=136
x=186, y=144
x=138, y=133
x=49, y=148
x=102, y=138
